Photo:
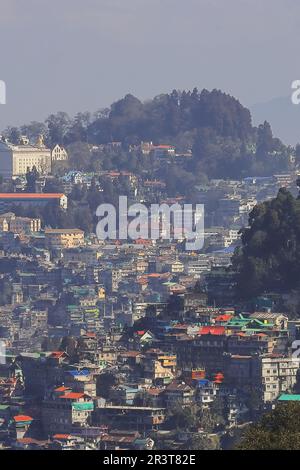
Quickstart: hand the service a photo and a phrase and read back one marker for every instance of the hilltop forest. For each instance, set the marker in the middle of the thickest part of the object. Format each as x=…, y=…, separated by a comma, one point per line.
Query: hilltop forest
x=213, y=125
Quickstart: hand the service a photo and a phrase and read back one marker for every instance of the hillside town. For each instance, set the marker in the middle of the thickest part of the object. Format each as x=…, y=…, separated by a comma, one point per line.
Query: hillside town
x=136, y=344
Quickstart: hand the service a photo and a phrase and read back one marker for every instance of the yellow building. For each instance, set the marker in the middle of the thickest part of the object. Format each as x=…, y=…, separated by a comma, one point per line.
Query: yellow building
x=4, y=225
x=24, y=225
x=64, y=238
x=101, y=293
x=15, y=159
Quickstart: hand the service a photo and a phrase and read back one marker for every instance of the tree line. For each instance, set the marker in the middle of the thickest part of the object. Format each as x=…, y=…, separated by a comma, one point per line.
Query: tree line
x=212, y=124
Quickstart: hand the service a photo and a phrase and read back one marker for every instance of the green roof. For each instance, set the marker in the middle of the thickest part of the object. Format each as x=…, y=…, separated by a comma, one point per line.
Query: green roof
x=289, y=397
x=237, y=321
x=83, y=406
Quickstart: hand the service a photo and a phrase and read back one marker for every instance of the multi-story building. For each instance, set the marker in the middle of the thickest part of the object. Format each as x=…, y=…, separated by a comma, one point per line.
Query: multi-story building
x=139, y=418
x=206, y=391
x=9, y=200
x=64, y=238
x=230, y=236
x=24, y=225
x=179, y=393
x=159, y=365
x=64, y=409
x=278, y=375
x=177, y=267
x=284, y=180
x=83, y=255
x=16, y=159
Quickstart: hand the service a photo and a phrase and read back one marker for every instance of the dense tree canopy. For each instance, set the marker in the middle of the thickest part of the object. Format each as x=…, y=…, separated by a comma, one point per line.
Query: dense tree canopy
x=269, y=258
x=278, y=430
x=214, y=125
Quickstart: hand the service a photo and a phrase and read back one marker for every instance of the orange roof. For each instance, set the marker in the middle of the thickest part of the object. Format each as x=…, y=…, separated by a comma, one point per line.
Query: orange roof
x=62, y=389
x=72, y=395
x=61, y=437
x=31, y=195
x=21, y=418
x=224, y=317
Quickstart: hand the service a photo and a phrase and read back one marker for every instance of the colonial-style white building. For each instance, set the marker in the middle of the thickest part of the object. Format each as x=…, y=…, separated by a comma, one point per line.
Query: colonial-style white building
x=15, y=159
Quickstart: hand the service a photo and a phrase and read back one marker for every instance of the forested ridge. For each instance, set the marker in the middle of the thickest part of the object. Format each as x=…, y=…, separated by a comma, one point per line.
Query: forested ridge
x=215, y=126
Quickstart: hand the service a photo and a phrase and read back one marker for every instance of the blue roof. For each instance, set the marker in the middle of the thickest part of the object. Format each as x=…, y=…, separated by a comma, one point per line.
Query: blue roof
x=203, y=382
x=83, y=372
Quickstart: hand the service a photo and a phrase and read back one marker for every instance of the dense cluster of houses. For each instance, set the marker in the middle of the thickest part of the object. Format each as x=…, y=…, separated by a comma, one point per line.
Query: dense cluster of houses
x=103, y=342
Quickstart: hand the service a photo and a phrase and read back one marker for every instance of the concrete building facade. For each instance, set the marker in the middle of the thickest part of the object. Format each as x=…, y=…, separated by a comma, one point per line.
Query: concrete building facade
x=15, y=159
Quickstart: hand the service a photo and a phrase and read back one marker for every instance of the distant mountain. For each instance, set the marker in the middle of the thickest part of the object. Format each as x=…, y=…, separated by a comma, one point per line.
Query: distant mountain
x=283, y=115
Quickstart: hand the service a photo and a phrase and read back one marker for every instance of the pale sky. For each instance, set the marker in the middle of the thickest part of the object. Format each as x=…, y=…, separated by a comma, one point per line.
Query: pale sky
x=77, y=55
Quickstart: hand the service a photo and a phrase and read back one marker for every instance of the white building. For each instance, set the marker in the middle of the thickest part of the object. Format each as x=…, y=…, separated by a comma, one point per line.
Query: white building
x=59, y=153
x=230, y=236
x=15, y=159
x=279, y=375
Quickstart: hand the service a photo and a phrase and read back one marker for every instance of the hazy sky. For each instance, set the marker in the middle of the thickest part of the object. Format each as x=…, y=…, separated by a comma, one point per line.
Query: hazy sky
x=78, y=55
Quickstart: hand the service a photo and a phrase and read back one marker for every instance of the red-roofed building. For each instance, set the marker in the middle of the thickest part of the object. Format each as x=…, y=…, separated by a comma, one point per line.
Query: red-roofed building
x=8, y=200
x=61, y=412
x=64, y=441
x=57, y=357
x=223, y=319
x=212, y=330
x=23, y=419
x=22, y=425
x=163, y=150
